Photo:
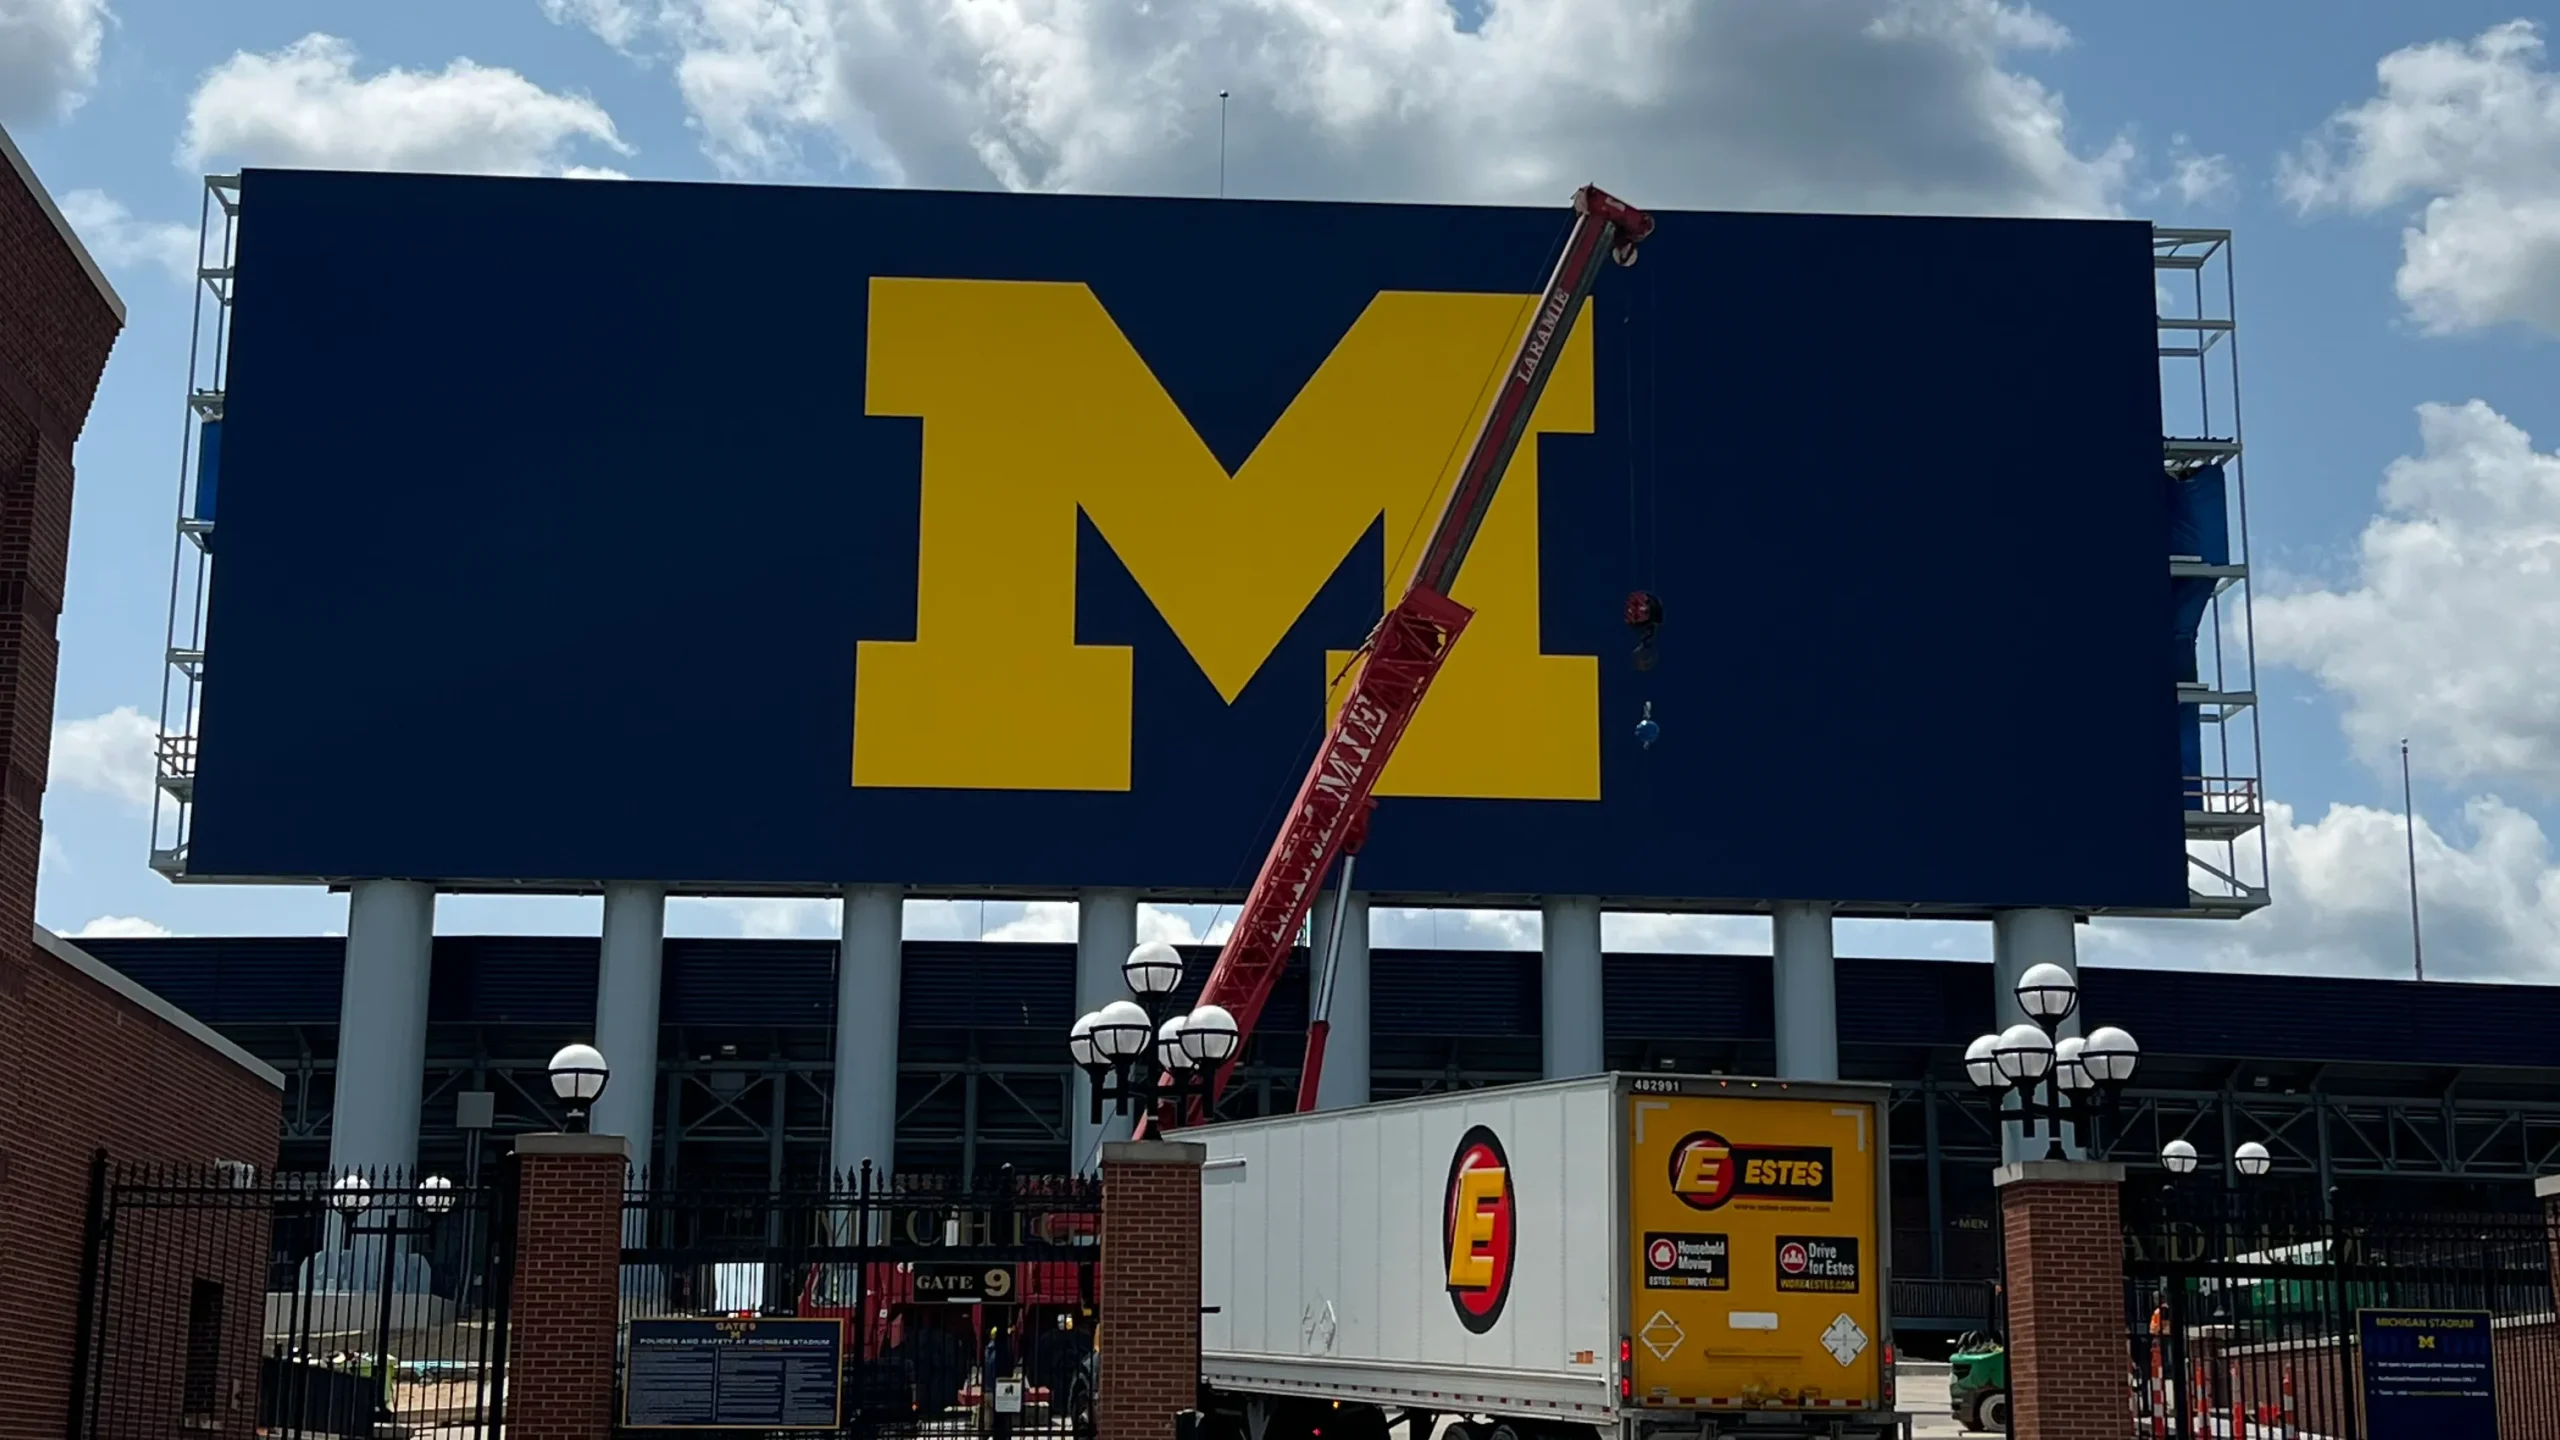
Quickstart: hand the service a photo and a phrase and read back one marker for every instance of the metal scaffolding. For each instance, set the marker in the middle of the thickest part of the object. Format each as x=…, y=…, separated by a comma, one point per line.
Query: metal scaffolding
x=191, y=552
x=2200, y=428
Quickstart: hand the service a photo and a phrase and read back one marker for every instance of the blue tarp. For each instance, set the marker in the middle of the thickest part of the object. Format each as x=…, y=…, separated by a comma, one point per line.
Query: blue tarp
x=2199, y=529
x=208, y=467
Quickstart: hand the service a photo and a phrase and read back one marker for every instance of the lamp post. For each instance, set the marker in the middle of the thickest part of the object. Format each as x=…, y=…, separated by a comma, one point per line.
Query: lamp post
x=578, y=1076
x=2248, y=1157
x=2072, y=1082
x=352, y=1198
x=1138, y=1054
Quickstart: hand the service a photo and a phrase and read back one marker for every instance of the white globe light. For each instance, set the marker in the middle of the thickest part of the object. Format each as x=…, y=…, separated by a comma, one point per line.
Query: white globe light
x=1169, y=1051
x=2025, y=1053
x=350, y=1194
x=2252, y=1158
x=1981, y=1062
x=1152, y=969
x=1121, y=1031
x=435, y=1194
x=2110, y=1055
x=2047, y=992
x=1080, y=1043
x=2068, y=1072
x=578, y=1073
x=1209, y=1035
x=2179, y=1156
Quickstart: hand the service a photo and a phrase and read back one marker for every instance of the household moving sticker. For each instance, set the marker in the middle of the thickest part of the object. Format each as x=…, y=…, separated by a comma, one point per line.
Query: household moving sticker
x=1681, y=1261
x=1821, y=1264
x=1707, y=1170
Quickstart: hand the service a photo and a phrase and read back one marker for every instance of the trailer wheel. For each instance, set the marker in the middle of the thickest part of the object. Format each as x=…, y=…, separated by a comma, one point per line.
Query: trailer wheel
x=1993, y=1412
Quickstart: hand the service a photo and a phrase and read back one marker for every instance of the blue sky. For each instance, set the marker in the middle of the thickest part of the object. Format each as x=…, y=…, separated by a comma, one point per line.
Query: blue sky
x=2386, y=166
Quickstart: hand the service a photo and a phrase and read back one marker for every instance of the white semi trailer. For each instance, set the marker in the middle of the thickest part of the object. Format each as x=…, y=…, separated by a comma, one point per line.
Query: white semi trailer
x=1631, y=1255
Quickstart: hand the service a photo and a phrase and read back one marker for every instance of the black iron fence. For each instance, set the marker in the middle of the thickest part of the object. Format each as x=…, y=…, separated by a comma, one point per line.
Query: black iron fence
x=956, y=1311
x=2276, y=1314
x=229, y=1300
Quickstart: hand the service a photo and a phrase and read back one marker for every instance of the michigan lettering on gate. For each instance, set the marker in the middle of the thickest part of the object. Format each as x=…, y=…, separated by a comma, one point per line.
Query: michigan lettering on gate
x=1035, y=406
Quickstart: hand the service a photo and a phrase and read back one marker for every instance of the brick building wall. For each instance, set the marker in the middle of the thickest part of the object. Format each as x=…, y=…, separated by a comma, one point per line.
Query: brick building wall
x=88, y=1060
x=58, y=320
x=1150, y=1288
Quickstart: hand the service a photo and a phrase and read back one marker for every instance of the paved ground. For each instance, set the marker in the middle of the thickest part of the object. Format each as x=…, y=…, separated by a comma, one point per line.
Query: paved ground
x=1922, y=1394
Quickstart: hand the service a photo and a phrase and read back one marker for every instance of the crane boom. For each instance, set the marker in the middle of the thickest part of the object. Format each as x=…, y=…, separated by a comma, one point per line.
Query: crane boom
x=1410, y=645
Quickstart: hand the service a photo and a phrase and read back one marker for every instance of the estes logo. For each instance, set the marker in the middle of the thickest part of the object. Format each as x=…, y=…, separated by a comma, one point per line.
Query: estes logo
x=1478, y=1229
x=1707, y=1171
x=1036, y=410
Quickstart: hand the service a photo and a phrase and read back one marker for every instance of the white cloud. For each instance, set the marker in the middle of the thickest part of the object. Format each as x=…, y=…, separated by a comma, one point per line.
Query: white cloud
x=615, y=22
x=305, y=105
x=110, y=754
x=2198, y=178
x=120, y=927
x=120, y=239
x=758, y=918
x=2446, y=634
x=1041, y=920
x=2471, y=128
x=48, y=56
x=2490, y=909
x=1856, y=104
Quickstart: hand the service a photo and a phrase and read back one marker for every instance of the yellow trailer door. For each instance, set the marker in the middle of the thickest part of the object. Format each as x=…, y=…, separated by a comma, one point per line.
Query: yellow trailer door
x=1754, y=1240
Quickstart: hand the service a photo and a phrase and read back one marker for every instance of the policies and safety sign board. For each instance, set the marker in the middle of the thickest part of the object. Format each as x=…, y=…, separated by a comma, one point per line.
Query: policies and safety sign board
x=2428, y=1372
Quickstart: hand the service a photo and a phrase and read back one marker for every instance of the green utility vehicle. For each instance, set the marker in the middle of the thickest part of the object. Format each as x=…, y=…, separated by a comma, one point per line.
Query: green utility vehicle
x=1978, y=1383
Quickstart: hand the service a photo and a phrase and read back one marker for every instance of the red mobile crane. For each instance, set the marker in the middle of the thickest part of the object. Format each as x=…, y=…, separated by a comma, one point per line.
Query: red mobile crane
x=1404, y=653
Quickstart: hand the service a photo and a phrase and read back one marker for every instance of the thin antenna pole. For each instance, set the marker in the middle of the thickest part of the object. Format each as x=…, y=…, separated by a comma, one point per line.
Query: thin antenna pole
x=2409, y=814
x=1222, y=144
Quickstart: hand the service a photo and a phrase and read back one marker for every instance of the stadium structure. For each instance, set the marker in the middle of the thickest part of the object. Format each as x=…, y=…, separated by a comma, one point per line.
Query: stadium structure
x=417, y=675
x=2436, y=1093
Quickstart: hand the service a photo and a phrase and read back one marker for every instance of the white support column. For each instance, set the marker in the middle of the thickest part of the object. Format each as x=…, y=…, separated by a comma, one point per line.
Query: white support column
x=1570, y=945
x=870, y=963
x=1345, y=1081
x=1106, y=931
x=627, y=984
x=382, y=1025
x=1808, y=1013
x=2021, y=939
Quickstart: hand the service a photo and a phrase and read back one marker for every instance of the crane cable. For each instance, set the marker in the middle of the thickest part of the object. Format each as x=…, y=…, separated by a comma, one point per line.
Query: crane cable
x=1643, y=611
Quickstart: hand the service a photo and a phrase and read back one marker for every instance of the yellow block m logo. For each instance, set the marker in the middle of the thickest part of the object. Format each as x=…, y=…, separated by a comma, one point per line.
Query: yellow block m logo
x=1035, y=406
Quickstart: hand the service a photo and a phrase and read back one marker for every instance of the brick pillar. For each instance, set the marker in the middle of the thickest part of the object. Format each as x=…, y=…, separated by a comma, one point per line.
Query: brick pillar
x=1150, y=1288
x=2547, y=1190
x=2064, y=1240
x=568, y=1286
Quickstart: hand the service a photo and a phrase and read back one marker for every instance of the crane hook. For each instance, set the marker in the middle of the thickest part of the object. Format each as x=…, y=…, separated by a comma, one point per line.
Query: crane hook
x=1644, y=616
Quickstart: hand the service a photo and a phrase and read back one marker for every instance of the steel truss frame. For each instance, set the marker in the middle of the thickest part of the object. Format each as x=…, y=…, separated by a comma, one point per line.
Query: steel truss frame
x=782, y=1104
x=2200, y=426
x=2327, y=1137
x=191, y=553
